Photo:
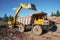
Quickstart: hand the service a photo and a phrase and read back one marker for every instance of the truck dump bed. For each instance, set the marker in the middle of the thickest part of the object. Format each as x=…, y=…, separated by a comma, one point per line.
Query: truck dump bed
x=26, y=20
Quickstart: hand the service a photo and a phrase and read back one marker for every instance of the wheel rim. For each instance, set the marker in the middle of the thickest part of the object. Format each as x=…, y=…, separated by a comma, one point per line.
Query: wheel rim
x=37, y=30
x=21, y=28
x=10, y=26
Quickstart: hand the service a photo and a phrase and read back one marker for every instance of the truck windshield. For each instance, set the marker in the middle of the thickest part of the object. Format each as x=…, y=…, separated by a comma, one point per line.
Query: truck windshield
x=41, y=17
x=38, y=17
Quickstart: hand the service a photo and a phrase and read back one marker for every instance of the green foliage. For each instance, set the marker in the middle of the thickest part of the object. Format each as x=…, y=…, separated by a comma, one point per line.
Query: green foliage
x=56, y=14
x=52, y=14
x=5, y=18
x=10, y=18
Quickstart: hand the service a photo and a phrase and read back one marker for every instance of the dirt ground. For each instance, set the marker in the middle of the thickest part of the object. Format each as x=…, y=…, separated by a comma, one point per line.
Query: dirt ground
x=28, y=36
x=13, y=34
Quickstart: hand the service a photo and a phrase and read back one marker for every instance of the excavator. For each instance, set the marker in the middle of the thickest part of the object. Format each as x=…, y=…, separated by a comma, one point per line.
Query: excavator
x=22, y=5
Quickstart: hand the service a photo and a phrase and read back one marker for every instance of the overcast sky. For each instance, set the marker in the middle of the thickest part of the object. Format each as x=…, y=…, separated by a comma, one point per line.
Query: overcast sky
x=9, y=6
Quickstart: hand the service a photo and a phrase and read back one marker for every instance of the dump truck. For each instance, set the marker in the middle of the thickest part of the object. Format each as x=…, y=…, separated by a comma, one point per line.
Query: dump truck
x=37, y=22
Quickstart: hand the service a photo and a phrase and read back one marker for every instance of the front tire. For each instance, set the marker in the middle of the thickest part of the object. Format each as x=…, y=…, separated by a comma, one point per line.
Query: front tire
x=37, y=30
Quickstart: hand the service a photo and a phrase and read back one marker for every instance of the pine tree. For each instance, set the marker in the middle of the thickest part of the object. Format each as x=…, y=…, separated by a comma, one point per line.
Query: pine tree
x=57, y=13
x=52, y=14
x=5, y=18
x=10, y=18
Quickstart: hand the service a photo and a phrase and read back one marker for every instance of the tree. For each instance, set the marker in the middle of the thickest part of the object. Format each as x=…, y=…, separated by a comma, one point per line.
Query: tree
x=5, y=18
x=57, y=13
x=10, y=18
x=52, y=14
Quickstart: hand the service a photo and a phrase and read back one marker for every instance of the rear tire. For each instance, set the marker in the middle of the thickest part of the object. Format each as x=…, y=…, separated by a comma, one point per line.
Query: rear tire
x=37, y=30
x=10, y=26
x=21, y=28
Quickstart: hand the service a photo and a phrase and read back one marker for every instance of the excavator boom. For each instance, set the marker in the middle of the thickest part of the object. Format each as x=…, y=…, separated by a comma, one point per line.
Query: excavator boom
x=29, y=6
x=18, y=10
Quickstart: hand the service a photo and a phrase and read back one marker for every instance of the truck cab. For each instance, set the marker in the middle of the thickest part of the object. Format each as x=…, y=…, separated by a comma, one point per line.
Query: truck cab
x=41, y=19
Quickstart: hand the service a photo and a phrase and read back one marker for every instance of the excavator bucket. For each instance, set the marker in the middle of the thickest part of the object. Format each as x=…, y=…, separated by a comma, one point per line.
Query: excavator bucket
x=31, y=6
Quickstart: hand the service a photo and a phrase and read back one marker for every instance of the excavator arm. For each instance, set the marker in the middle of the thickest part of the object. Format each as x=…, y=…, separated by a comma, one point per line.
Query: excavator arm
x=18, y=10
x=29, y=6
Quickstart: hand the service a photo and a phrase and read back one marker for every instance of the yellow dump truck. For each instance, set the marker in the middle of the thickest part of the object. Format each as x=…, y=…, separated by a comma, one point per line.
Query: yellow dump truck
x=37, y=22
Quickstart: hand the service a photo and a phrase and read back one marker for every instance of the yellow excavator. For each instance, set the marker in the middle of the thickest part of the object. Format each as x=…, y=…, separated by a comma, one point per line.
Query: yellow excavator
x=14, y=22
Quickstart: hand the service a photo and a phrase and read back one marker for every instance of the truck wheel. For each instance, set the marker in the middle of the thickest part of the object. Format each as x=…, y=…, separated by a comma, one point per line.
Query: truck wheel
x=21, y=28
x=10, y=26
x=37, y=30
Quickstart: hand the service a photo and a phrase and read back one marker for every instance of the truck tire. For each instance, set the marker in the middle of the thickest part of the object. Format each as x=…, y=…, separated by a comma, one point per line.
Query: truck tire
x=37, y=30
x=21, y=28
x=10, y=26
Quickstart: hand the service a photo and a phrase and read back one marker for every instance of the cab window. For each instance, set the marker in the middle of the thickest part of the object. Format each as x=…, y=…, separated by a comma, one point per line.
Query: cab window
x=38, y=17
x=41, y=17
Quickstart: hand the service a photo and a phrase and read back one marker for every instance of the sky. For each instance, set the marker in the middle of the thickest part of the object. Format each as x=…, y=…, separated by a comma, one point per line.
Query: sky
x=10, y=6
